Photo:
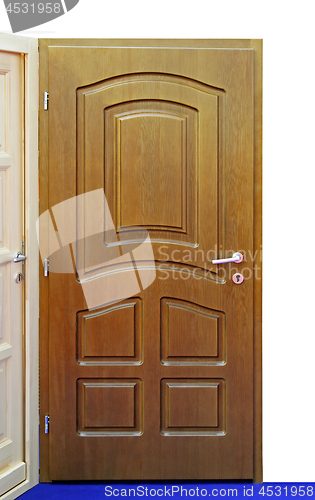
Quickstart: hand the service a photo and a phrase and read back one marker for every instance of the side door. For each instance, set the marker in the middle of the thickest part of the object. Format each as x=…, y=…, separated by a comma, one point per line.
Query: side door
x=147, y=181
x=18, y=296
x=11, y=236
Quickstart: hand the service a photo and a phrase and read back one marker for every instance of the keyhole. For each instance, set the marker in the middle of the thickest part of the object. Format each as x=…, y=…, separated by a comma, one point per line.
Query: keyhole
x=238, y=278
x=18, y=278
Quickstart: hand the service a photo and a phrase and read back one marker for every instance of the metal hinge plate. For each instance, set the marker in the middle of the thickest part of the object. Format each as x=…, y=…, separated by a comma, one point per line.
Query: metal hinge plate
x=46, y=267
x=46, y=99
x=46, y=424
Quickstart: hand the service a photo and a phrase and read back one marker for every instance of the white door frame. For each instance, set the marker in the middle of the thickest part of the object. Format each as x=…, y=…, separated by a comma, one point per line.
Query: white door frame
x=29, y=47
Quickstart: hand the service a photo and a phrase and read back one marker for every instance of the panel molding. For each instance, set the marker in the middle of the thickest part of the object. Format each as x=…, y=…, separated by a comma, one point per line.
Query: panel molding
x=129, y=396
x=5, y=125
x=209, y=334
x=187, y=208
x=2, y=211
x=5, y=154
x=12, y=477
x=119, y=119
x=127, y=354
x=151, y=76
x=112, y=93
x=205, y=407
x=5, y=335
x=3, y=401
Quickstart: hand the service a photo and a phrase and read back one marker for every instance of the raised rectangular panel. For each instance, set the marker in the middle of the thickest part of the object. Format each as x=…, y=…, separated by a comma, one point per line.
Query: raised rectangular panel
x=111, y=335
x=5, y=206
x=192, y=331
x=3, y=400
x=3, y=312
x=11, y=477
x=5, y=116
x=109, y=407
x=2, y=208
x=150, y=170
x=148, y=147
x=193, y=407
x=2, y=111
x=191, y=334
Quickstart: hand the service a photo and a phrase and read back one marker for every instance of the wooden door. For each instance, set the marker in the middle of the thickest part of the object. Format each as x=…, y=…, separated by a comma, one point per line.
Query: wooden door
x=12, y=465
x=148, y=354
x=18, y=301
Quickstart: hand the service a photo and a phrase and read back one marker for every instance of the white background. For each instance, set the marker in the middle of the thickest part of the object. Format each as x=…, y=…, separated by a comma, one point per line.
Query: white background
x=289, y=186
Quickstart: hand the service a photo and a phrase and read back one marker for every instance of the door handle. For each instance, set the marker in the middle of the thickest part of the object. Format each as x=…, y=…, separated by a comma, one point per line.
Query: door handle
x=19, y=257
x=236, y=257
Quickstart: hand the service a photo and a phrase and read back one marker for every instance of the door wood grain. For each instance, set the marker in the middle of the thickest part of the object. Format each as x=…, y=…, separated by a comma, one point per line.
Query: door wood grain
x=159, y=379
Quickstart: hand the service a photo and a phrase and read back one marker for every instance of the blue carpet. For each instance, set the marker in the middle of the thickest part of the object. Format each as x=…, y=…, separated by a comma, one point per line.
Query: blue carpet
x=64, y=491
x=170, y=489
x=96, y=490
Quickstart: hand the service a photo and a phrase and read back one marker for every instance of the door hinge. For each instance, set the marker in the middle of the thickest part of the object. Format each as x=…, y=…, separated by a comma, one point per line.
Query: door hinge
x=46, y=267
x=46, y=424
x=46, y=99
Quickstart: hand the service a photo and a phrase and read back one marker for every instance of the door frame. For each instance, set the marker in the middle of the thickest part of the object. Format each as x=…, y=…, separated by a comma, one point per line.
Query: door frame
x=256, y=46
x=29, y=48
